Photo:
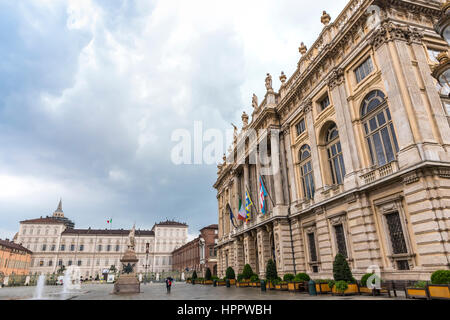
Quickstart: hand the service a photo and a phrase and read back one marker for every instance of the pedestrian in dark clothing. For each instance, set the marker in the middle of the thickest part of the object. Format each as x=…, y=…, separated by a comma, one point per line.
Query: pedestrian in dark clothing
x=168, y=284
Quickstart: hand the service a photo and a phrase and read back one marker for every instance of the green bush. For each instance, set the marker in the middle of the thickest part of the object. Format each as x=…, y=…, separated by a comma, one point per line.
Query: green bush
x=288, y=277
x=331, y=283
x=420, y=284
x=341, y=269
x=240, y=277
x=215, y=278
x=208, y=274
x=341, y=286
x=271, y=270
x=275, y=281
x=440, y=277
x=194, y=275
x=229, y=274
x=247, y=272
x=254, y=278
x=302, y=277
x=322, y=280
x=365, y=277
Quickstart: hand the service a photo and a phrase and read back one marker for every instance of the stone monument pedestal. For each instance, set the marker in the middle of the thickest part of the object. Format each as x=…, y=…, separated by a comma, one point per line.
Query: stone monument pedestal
x=127, y=283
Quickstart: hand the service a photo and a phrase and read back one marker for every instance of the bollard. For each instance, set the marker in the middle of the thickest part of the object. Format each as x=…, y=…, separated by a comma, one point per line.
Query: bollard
x=263, y=285
x=312, y=288
x=228, y=283
x=214, y=283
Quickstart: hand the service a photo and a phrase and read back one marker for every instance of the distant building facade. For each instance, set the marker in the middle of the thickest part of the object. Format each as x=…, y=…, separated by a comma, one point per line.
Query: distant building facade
x=363, y=167
x=55, y=242
x=198, y=254
x=14, y=258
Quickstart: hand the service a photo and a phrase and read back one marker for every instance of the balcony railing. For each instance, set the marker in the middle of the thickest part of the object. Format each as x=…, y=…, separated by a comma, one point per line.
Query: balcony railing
x=380, y=172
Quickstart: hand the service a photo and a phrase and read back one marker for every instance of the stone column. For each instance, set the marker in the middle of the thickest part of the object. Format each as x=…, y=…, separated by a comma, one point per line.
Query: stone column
x=345, y=127
x=263, y=250
x=396, y=90
x=315, y=159
x=283, y=248
x=280, y=207
x=249, y=248
x=292, y=186
x=239, y=255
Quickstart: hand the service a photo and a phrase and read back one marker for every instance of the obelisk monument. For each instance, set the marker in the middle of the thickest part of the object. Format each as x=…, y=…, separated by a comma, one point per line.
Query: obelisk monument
x=127, y=281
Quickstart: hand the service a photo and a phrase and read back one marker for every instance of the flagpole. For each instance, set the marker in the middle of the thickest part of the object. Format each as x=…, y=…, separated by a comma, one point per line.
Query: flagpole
x=268, y=193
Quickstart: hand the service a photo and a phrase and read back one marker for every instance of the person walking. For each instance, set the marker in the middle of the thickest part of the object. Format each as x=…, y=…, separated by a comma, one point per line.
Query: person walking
x=168, y=284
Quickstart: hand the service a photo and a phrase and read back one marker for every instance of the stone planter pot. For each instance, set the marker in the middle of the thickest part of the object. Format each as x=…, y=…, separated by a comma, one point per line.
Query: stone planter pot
x=439, y=291
x=208, y=282
x=221, y=283
x=352, y=289
x=416, y=293
x=232, y=282
x=323, y=288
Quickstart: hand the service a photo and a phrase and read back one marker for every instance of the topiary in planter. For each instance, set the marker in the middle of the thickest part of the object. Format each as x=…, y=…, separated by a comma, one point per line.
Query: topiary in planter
x=302, y=277
x=229, y=274
x=420, y=284
x=247, y=272
x=440, y=277
x=288, y=277
x=341, y=286
x=331, y=283
x=271, y=270
x=366, y=277
x=240, y=277
x=194, y=275
x=208, y=274
x=254, y=278
x=341, y=269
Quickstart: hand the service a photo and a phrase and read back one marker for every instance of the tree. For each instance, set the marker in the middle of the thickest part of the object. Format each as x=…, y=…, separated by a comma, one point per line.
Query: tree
x=229, y=274
x=208, y=274
x=271, y=270
x=247, y=272
x=61, y=269
x=341, y=269
x=194, y=275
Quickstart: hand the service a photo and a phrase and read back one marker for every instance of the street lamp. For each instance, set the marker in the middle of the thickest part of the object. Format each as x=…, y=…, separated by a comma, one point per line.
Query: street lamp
x=443, y=25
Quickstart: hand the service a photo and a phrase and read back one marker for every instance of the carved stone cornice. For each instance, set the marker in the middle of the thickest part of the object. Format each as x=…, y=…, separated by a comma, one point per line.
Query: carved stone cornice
x=336, y=78
x=389, y=31
x=411, y=178
x=307, y=105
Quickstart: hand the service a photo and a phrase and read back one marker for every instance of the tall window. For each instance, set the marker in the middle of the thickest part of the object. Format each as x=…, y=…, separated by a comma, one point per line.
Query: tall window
x=379, y=129
x=397, y=237
x=312, y=246
x=63, y=247
x=306, y=172
x=363, y=70
x=340, y=240
x=324, y=102
x=300, y=127
x=335, y=158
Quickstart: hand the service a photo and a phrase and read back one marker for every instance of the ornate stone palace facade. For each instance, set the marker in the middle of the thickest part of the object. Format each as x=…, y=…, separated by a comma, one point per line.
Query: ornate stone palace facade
x=363, y=153
x=54, y=242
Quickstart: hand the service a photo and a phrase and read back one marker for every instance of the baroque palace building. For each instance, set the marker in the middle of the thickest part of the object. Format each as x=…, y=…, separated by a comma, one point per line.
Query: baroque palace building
x=363, y=153
x=55, y=242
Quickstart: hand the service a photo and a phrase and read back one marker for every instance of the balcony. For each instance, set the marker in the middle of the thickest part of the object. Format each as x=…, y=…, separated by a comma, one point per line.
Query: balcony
x=380, y=172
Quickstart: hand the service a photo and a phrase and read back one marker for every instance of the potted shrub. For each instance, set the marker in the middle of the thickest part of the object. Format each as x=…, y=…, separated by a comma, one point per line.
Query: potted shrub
x=342, y=272
x=188, y=280
x=299, y=282
x=277, y=283
x=229, y=274
x=363, y=288
x=240, y=281
x=271, y=274
x=340, y=287
x=440, y=285
x=322, y=285
x=419, y=290
x=208, y=276
x=244, y=278
x=254, y=280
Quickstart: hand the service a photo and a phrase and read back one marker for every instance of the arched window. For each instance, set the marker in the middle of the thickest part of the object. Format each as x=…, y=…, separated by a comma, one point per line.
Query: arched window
x=335, y=158
x=378, y=128
x=306, y=172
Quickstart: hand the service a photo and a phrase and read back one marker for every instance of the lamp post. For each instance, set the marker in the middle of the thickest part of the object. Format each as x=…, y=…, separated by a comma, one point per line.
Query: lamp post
x=443, y=25
x=147, y=249
x=441, y=71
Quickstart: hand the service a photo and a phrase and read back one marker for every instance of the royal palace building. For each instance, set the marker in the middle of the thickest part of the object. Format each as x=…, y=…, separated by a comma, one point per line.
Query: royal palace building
x=55, y=242
x=360, y=164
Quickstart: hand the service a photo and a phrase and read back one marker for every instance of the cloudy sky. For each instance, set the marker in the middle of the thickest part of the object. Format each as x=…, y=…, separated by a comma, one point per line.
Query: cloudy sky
x=91, y=91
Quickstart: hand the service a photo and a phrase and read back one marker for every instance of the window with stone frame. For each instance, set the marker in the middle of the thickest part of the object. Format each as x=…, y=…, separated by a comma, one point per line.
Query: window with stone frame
x=300, y=127
x=335, y=157
x=324, y=102
x=396, y=235
x=378, y=129
x=306, y=172
x=312, y=246
x=340, y=240
x=363, y=70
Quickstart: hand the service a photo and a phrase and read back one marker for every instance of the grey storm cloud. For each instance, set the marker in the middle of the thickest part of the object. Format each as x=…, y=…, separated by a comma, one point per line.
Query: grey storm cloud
x=90, y=92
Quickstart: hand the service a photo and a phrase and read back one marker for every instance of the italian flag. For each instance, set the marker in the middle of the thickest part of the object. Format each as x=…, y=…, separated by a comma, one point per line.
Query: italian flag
x=109, y=221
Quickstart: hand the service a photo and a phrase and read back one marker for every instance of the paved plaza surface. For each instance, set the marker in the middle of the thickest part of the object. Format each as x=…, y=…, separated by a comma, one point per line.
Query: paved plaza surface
x=180, y=291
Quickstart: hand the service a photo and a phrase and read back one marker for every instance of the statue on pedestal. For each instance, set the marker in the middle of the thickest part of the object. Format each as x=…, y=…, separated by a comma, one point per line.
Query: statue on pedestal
x=128, y=282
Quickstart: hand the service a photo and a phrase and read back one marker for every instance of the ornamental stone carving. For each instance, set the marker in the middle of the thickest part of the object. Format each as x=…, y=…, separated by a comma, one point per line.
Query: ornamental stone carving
x=269, y=82
x=336, y=78
x=254, y=101
x=390, y=31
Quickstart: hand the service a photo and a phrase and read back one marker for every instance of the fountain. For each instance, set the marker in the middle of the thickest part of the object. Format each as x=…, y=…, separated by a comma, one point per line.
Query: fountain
x=157, y=276
x=39, y=287
x=71, y=279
